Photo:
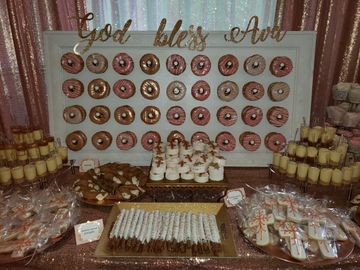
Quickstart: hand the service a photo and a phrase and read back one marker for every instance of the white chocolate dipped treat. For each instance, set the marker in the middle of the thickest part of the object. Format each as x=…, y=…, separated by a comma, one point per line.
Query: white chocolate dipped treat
x=335, y=114
x=183, y=167
x=219, y=160
x=156, y=176
x=351, y=119
x=199, y=167
x=188, y=176
x=340, y=91
x=216, y=172
x=354, y=94
x=201, y=177
x=172, y=174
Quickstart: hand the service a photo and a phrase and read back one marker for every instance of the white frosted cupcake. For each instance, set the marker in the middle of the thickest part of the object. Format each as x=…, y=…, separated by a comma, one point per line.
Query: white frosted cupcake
x=188, y=176
x=156, y=176
x=216, y=172
x=172, y=174
x=201, y=177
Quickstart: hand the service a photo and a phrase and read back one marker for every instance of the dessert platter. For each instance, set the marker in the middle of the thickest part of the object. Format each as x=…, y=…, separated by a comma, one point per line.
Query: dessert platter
x=110, y=183
x=167, y=230
x=33, y=221
x=296, y=228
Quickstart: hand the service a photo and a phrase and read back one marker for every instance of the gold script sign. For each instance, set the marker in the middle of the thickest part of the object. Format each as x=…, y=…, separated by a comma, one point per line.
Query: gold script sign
x=102, y=35
x=236, y=35
x=196, y=40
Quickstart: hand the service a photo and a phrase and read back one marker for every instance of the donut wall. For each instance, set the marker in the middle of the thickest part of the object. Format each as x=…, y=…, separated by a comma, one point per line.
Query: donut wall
x=111, y=102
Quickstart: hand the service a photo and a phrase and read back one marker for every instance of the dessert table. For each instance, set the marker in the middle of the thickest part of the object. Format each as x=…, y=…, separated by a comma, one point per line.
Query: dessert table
x=67, y=255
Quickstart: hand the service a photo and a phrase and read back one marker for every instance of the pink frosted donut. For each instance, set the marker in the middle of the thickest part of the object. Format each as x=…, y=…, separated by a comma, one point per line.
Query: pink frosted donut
x=72, y=63
x=73, y=88
x=251, y=115
x=253, y=91
x=150, y=139
x=123, y=63
x=281, y=66
x=200, y=65
x=251, y=141
x=228, y=64
x=200, y=136
x=176, y=115
x=275, y=141
x=126, y=140
x=176, y=64
x=200, y=116
x=200, y=90
x=124, y=89
x=226, y=116
x=277, y=116
x=226, y=141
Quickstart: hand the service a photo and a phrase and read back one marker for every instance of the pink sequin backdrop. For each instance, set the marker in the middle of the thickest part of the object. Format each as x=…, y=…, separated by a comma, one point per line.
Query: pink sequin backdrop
x=23, y=95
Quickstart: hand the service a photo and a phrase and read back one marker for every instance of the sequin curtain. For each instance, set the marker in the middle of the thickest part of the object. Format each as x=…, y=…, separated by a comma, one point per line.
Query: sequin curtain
x=23, y=94
x=212, y=15
x=337, y=57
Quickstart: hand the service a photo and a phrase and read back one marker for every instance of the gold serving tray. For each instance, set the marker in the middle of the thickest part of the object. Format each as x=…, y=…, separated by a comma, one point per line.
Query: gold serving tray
x=218, y=209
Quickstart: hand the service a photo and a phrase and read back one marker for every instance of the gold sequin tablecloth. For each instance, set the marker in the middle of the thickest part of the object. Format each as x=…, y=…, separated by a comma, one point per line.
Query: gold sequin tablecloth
x=66, y=255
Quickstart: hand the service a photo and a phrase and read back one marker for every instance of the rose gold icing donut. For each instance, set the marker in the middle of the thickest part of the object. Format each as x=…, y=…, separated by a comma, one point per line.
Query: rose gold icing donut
x=200, y=136
x=101, y=140
x=281, y=66
x=200, y=90
x=228, y=64
x=176, y=115
x=150, y=139
x=251, y=141
x=226, y=141
x=74, y=114
x=72, y=63
x=149, y=63
x=176, y=90
x=277, y=116
x=253, y=91
x=252, y=115
x=200, y=65
x=126, y=140
x=175, y=64
x=73, y=88
x=99, y=114
x=228, y=91
x=275, y=141
x=98, y=88
x=200, y=116
x=176, y=136
x=124, y=115
x=278, y=91
x=226, y=116
x=76, y=140
x=123, y=63
x=255, y=64
x=124, y=88
x=150, y=115
x=96, y=63
x=150, y=89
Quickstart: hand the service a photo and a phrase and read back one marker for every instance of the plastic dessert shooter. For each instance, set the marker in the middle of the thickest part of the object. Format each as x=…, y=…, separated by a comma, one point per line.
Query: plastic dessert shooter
x=276, y=160
x=325, y=176
x=313, y=175
x=302, y=171
x=30, y=172
x=284, y=160
x=336, y=178
x=5, y=176
x=291, y=169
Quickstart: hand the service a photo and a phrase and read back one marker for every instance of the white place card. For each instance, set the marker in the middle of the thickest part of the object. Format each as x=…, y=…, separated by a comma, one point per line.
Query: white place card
x=88, y=164
x=234, y=196
x=88, y=232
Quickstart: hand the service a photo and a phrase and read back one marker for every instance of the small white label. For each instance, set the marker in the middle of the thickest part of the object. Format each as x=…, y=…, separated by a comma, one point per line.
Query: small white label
x=88, y=164
x=234, y=196
x=88, y=232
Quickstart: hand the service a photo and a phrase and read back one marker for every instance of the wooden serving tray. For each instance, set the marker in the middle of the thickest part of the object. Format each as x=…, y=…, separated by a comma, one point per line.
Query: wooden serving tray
x=227, y=244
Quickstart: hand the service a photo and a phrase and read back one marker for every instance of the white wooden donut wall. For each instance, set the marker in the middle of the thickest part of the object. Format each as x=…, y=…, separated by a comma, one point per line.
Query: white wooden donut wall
x=298, y=46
